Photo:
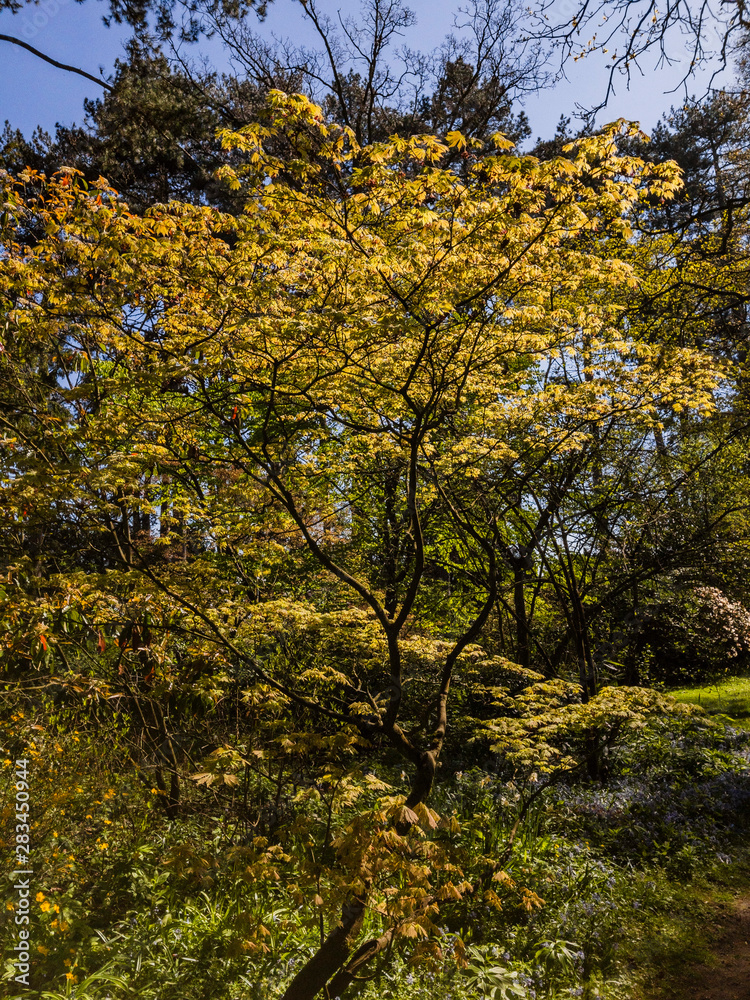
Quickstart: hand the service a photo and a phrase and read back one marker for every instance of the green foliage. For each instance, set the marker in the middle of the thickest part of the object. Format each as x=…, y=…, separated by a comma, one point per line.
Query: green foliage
x=296, y=448
x=693, y=634
x=490, y=980
x=128, y=903
x=548, y=728
x=730, y=698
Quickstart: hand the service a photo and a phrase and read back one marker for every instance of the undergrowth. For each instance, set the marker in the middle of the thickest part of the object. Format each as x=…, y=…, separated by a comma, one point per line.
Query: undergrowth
x=608, y=875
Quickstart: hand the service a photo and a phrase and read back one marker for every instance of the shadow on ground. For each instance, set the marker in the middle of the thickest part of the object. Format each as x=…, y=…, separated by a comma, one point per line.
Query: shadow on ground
x=735, y=708
x=724, y=974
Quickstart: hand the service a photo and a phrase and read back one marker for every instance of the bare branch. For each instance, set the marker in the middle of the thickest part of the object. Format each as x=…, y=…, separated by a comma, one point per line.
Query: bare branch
x=54, y=62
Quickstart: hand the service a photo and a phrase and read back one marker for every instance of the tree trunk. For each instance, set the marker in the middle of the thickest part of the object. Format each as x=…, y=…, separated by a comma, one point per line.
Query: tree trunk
x=331, y=956
x=361, y=957
x=519, y=602
x=521, y=561
x=423, y=779
x=336, y=964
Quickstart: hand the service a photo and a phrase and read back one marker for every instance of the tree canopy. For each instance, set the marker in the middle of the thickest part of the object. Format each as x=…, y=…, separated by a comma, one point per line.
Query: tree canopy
x=320, y=424
x=358, y=469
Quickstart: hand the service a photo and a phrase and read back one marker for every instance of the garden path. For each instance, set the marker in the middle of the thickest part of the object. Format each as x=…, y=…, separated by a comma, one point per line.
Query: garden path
x=728, y=978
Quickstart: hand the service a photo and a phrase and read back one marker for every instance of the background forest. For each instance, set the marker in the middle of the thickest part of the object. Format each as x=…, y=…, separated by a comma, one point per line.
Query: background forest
x=371, y=476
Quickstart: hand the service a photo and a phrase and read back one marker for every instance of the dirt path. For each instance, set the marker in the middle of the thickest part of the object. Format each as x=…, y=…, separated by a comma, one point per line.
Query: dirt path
x=729, y=977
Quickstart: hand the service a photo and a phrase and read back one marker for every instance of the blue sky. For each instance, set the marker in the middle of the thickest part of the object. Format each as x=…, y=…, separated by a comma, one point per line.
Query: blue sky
x=34, y=93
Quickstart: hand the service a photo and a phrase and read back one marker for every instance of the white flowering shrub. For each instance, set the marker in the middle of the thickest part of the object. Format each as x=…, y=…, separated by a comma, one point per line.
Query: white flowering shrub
x=695, y=634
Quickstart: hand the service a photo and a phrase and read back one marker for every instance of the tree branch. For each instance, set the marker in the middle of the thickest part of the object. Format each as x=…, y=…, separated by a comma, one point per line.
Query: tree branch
x=54, y=62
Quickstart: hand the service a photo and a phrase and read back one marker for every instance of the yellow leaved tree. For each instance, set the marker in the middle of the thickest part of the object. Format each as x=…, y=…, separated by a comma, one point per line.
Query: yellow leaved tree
x=345, y=373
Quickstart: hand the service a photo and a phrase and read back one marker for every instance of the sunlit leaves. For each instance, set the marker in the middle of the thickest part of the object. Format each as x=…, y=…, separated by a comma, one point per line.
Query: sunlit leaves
x=264, y=427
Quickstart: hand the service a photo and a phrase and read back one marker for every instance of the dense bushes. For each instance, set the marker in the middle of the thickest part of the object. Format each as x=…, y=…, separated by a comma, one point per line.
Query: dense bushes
x=130, y=904
x=691, y=634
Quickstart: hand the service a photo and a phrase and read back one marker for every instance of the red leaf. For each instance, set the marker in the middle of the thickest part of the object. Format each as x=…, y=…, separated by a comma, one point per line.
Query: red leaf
x=43, y=642
x=102, y=643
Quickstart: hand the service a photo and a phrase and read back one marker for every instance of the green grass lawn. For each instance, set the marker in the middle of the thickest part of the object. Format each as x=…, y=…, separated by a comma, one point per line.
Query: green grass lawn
x=729, y=697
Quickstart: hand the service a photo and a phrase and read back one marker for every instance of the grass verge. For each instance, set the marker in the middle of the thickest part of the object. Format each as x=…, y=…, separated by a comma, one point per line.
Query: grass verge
x=730, y=697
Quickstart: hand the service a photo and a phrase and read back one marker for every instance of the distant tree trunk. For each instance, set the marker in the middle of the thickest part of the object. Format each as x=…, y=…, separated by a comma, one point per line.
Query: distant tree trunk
x=632, y=658
x=632, y=670
x=521, y=562
x=125, y=537
x=181, y=533
x=586, y=666
x=35, y=548
x=169, y=798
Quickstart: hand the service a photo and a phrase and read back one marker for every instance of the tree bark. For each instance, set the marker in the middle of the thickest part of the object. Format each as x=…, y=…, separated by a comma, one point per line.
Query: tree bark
x=361, y=957
x=331, y=956
x=521, y=563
